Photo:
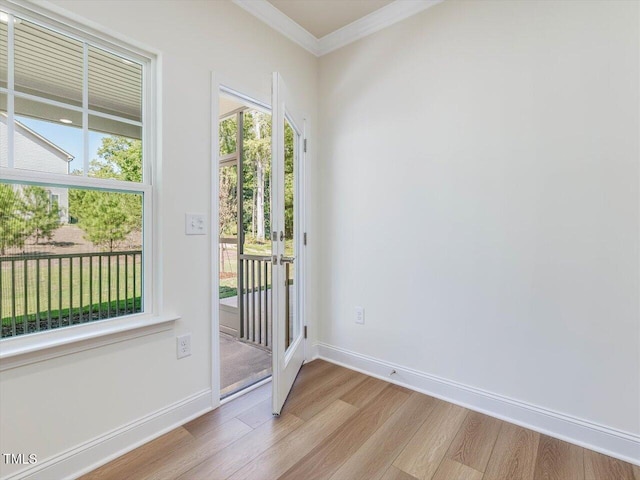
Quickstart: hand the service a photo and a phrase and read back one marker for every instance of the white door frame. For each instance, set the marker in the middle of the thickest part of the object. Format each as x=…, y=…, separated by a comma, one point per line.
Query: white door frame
x=221, y=84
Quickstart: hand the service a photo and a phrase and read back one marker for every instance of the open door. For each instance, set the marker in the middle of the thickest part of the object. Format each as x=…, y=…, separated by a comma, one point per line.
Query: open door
x=287, y=215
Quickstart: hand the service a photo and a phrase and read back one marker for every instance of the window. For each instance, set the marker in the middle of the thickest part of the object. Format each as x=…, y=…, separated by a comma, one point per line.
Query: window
x=76, y=146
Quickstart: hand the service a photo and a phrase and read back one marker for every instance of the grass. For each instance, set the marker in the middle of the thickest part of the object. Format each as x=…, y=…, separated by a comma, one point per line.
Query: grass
x=63, y=281
x=115, y=308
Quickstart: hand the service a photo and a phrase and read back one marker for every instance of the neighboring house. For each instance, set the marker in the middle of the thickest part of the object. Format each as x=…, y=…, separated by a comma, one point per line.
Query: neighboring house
x=34, y=152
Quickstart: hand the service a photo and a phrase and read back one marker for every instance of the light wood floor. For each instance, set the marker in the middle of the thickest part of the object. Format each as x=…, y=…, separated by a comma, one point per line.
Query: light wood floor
x=342, y=425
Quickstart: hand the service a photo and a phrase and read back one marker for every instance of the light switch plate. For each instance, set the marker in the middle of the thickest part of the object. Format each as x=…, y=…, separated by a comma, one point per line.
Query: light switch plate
x=195, y=224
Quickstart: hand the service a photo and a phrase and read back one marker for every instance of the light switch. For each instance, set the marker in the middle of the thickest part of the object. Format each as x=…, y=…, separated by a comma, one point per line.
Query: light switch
x=195, y=224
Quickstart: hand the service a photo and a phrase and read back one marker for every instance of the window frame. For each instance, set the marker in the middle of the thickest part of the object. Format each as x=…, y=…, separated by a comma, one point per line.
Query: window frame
x=150, y=60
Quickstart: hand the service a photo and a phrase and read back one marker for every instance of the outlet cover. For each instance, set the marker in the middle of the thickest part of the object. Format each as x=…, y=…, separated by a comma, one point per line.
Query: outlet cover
x=183, y=344
x=360, y=315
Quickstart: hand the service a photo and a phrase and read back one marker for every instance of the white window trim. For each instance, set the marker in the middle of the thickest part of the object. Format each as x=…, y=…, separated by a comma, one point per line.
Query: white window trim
x=39, y=346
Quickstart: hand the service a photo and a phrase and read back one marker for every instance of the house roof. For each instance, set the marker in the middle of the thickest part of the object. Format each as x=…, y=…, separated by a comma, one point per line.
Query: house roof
x=66, y=156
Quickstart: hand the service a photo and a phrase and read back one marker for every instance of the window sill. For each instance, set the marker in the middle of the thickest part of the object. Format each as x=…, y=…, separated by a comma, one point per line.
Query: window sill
x=38, y=347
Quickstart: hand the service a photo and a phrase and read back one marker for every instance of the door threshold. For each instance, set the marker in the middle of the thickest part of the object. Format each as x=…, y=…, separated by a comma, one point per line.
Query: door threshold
x=245, y=390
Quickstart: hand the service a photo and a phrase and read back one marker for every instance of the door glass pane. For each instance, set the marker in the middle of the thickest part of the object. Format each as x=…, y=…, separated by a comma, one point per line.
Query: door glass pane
x=228, y=224
x=256, y=269
x=256, y=192
x=290, y=152
x=228, y=135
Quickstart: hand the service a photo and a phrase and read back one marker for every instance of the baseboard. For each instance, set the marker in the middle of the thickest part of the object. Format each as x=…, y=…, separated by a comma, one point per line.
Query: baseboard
x=622, y=445
x=90, y=455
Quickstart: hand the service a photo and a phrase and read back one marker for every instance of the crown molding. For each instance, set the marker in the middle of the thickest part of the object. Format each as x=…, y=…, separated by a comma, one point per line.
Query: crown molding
x=277, y=20
x=375, y=21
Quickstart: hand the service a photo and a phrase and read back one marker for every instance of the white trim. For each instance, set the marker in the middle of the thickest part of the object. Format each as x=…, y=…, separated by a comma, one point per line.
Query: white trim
x=609, y=441
x=220, y=85
x=37, y=347
x=85, y=109
x=11, y=86
x=277, y=20
x=214, y=239
x=90, y=455
x=375, y=21
x=14, y=175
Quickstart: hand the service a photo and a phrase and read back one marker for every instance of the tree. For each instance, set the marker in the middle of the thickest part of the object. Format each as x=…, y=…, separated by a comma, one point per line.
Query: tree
x=13, y=227
x=119, y=157
x=107, y=218
x=257, y=159
x=41, y=214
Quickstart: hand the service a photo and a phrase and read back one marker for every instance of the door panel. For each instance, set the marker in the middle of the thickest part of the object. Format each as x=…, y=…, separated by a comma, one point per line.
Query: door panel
x=287, y=155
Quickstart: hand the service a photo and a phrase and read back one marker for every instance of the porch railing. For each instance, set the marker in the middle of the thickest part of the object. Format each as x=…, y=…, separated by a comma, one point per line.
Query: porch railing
x=51, y=291
x=255, y=303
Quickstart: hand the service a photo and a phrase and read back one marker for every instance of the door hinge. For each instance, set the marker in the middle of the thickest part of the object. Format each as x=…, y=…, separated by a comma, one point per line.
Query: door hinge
x=304, y=238
x=305, y=145
x=305, y=331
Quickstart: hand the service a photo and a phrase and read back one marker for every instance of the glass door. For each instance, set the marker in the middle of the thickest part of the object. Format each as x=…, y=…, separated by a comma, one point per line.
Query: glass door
x=288, y=271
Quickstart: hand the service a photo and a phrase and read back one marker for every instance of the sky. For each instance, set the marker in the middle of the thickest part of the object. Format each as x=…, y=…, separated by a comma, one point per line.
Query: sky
x=67, y=137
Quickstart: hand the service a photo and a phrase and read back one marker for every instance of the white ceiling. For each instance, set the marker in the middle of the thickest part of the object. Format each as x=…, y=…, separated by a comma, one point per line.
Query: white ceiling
x=322, y=26
x=322, y=17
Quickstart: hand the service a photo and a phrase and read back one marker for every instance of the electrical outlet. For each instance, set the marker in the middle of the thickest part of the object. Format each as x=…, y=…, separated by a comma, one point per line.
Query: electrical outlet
x=184, y=345
x=360, y=315
x=195, y=224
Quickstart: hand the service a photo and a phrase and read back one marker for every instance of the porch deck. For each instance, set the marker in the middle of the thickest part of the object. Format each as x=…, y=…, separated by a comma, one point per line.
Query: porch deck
x=242, y=364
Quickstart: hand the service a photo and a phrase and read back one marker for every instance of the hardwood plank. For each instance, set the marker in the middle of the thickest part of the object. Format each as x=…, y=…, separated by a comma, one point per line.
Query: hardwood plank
x=206, y=422
x=257, y=415
x=394, y=473
x=375, y=456
x=324, y=460
x=325, y=393
x=425, y=451
x=514, y=454
x=558, y=460
x=474, y=442
x=311, y=377
x=369, y=425
x=281, y=456
x=230, y=459
x=130, y=464
x=364, y=392
x=179, y=461
x=600, y=467
x=452, y=470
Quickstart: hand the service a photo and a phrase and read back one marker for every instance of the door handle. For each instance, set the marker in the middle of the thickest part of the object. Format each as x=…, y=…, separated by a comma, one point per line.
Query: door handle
x=284, y=259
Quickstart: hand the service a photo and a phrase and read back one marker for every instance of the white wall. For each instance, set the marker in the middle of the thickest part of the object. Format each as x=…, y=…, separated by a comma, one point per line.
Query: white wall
x=49, y=407
x=480, y=187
